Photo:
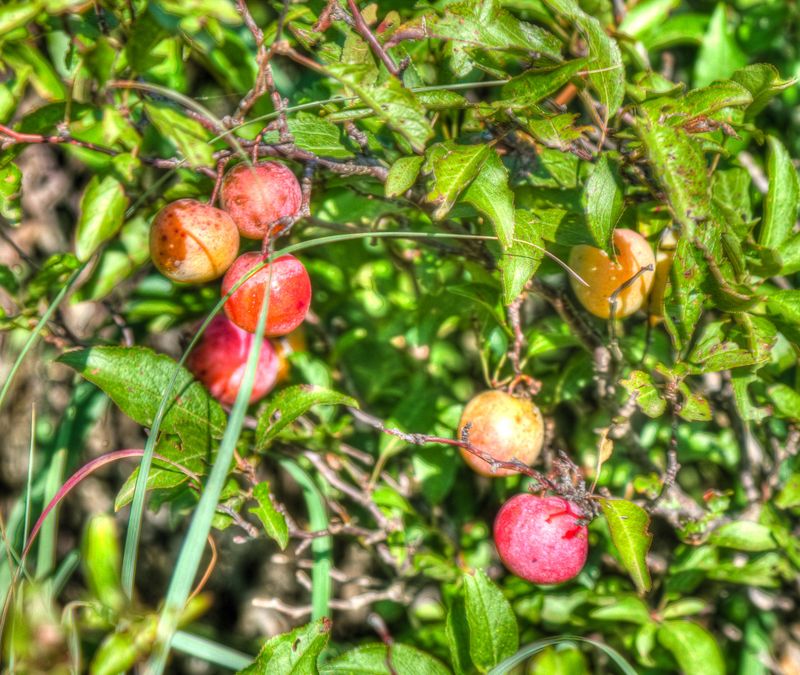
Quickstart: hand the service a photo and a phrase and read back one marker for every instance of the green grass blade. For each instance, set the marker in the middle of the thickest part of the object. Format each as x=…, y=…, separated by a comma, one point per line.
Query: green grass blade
x=210, y=651
x=195, y=540
x=535, y=647
x=34, y=336
x=321, y=547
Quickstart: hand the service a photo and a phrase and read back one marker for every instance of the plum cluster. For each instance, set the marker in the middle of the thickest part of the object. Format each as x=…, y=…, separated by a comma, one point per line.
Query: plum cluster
x=544, y=539
x=192, y=242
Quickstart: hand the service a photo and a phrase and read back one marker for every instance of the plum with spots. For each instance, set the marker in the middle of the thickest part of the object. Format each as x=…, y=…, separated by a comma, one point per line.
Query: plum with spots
x=220, y=359
x=604, y=275
x=505, y=427
x=257, y=196
x=289, y=287
x=192, y=242
x=541, y=539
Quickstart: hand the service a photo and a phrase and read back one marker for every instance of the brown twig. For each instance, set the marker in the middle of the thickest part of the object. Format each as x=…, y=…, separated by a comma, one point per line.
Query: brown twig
x=361, y=27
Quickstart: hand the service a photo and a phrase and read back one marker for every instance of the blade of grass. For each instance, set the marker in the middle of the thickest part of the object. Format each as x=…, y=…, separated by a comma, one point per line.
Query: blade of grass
x=34, y=336
x=530, y=650
x=321, y=547
x=194, y=543
x=210, y=651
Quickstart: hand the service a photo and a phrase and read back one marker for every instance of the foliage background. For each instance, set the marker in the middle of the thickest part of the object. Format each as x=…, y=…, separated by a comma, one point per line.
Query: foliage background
x=618, y=114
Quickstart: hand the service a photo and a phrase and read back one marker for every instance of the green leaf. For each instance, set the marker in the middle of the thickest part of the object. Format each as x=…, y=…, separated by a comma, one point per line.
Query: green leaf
x=648, y=398
x=142, y=41
x=532, y=86
x=719, y=54
x=629, y=608
x=646, y=16
x=273, y=521
x=521, y=260
x=136, y=377
x=490, y=194
x=484, y=24
x=118, y=261
x=780, y=205
x=314, y=134
x=714, y=97
x=789, y=496
x=743, y=535
x=102, y=209
x=165, y=476
x=288, y=404
x=188, y=135
x=628, y=525
x=391, y=102
x=15, y=14
x=10, y=192
x=786, y=401
x=402, y=175
x=372, y=659
x=607, y=74
x=457, y=631
x=693, y=647
x=452, y=167
x=293, y=653
x=764, y=82
x=494, y=634
x=602, y=201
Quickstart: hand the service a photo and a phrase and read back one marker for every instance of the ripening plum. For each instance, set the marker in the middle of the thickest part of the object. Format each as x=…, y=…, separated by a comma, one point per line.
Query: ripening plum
x=289, y=293
x=605, y=275
x=192, y=242
x=503, y=426
x=220, y=359
x=257, y=196
x=541, y=539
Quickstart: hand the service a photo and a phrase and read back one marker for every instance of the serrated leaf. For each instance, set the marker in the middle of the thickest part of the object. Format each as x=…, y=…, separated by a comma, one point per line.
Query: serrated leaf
x=494, y=634
x=391, y=102
x=490, y=194
x=135, y=378
x=293, y=653
x=714, y=97
x=288, y=404
x=628, y=525
x=102, y=209
x=764, y=82
x=602, y=201
x=402, y=175
x=521, y=260
x=693, y=647
x=374, y=659
x=780, y=204
x=273, y=521
x=607, y=74
x=314, y=134
x=743, y=535
x=190, y=137
x=452, y=167
x=532, y=86
x=648, y=398
x=483, y=25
